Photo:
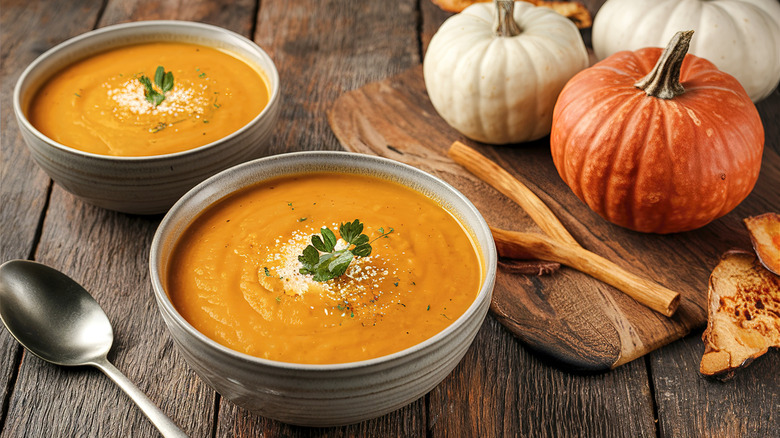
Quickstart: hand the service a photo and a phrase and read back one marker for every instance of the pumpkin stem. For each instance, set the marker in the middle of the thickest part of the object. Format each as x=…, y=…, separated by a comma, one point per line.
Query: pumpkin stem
x=506, y=26
x=664, y=81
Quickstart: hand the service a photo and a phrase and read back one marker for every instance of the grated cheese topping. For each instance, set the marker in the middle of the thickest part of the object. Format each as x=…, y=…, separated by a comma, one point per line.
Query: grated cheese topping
x=359, y=290
x=185, y=101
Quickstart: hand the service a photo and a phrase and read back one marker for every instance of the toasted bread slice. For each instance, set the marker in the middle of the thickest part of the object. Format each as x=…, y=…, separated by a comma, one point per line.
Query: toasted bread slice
x=743, y=318
x=765, y=235
x=456, y=5
x=573, y=10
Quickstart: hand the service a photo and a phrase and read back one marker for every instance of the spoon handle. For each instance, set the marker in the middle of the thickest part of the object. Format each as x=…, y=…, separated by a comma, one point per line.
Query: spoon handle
x=164, y=424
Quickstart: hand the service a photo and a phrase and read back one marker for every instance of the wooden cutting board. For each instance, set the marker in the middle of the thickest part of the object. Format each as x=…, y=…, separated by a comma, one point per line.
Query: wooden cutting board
x=568, y=316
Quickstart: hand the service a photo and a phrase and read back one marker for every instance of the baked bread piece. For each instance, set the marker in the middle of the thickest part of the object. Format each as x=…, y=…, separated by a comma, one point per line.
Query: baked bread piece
x=765, y=235
x=573, y=10
x=743, y=318
x=456, y=5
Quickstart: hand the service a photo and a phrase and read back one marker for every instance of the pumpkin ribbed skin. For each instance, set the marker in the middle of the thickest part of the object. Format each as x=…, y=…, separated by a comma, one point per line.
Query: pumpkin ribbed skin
x=650, y=164
x=741, y=37
x=501, y=89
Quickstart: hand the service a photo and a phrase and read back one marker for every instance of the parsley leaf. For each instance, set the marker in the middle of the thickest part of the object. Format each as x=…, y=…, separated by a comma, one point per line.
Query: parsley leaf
x=164, y=83
x=328, y=241
x=310, y=256
x=324, y=262
x=351, y=231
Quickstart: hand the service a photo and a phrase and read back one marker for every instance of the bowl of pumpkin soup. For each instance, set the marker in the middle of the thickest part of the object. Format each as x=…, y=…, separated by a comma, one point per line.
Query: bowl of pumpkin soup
x=131, y=116
x=323, y=288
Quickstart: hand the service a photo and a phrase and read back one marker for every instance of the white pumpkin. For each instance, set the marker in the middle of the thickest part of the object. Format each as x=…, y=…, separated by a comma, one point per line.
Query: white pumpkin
x=502, y=89
x=741, y=37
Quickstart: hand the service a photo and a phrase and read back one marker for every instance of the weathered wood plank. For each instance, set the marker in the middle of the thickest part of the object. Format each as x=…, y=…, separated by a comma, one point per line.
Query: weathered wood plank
x=692, y=406
x=408, y=421
x=23, y=185
x=323, y=49
x=107, y=253
x=237, y=15
x=503, y=389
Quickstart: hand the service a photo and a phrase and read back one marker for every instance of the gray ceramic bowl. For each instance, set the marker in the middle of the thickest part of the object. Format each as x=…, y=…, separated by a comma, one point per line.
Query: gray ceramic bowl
x=322, y=395
x=142, y=185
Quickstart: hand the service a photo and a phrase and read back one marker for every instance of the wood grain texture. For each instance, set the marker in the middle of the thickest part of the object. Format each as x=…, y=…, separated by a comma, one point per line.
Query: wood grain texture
x=86, y=242
x=238, y=16
x=501, y=388
x=692, y=406
x=23, y=186
x=323, y=49
x=569, y=316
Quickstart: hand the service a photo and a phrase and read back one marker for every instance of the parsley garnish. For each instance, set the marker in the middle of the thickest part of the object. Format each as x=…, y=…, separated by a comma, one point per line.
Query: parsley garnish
x=158, y=127
x=164, y=82
x=322, y=260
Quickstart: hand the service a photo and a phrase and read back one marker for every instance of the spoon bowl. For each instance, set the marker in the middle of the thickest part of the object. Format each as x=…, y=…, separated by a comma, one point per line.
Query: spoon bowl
x=56, y=319
x=70, y=327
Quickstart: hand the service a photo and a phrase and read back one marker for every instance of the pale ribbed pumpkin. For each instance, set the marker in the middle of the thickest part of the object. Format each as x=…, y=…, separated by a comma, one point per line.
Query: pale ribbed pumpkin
x=657, y=143
x=497, y=83
x=741, y=37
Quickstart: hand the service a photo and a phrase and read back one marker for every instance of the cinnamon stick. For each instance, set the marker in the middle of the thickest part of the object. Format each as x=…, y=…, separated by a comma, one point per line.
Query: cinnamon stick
x=505, y=183
x=558, y=245
x=515, y=244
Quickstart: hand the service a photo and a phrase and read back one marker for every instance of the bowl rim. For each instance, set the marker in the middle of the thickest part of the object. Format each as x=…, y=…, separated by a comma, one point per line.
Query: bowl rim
x=272, y=78
x=490, y=258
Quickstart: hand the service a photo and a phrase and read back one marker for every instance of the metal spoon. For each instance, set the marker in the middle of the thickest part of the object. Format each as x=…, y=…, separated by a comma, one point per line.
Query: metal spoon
x=58, y=320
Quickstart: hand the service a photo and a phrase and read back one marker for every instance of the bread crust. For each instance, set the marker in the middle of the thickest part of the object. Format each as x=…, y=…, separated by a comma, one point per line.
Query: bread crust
x=743, y=318
x=765, y=235
x=575, y=11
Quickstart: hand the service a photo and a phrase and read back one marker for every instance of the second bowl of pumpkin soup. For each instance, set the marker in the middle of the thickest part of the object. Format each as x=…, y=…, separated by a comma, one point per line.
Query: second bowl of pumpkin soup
x=131, y=116
x=323, y=288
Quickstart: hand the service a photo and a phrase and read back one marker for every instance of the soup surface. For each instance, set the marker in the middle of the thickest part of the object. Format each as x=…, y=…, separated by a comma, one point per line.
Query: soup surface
x=235, y=274
x=100, y=104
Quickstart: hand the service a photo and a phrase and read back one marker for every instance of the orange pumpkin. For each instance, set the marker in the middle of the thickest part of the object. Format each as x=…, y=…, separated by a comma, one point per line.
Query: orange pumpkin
x=657, y=140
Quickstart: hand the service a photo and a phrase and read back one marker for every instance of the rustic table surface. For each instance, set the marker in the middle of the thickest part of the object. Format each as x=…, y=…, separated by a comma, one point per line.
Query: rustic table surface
x=322, y=50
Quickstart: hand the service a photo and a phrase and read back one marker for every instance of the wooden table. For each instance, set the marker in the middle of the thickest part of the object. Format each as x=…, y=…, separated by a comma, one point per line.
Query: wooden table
x=322, y=49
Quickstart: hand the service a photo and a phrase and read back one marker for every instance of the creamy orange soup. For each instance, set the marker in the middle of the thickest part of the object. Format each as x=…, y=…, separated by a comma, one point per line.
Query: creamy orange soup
x=235, y=274
x=99, y=104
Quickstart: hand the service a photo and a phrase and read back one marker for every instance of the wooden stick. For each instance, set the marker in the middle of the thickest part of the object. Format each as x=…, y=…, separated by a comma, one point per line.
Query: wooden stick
x=560, y=246
x=505, y=183
x=536, y=246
